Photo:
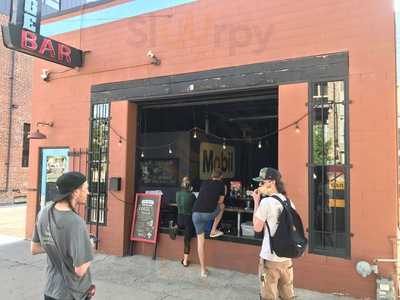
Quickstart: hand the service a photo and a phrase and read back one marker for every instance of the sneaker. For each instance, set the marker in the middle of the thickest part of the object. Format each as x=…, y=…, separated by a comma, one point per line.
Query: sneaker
x=204, y=274
x=172, y=230
x=216, y=234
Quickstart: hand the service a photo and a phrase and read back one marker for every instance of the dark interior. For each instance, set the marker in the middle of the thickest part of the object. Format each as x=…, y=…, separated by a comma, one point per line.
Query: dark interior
x=230, y=118
x=242, y=120
x=237, y=121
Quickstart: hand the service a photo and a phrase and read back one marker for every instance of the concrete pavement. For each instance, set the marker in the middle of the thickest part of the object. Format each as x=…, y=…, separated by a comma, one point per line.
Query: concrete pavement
x=136, y=277
x=12, y=220
x=22, y=275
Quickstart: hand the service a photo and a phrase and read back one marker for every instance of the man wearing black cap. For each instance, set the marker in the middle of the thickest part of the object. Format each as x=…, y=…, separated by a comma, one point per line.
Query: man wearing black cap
x=61, y=233
x=275, y=273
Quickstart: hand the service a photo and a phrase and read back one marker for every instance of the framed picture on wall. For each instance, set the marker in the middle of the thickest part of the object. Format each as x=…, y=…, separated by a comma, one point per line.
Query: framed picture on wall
x=159, y=172
x=53, y=163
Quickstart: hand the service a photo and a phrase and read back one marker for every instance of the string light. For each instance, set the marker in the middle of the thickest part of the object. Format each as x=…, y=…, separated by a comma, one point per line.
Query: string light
x=297, y=127
x=195, y=136
x=120, y=138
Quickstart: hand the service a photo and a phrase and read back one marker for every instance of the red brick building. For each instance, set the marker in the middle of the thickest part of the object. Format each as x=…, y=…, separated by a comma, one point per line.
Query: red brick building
x=239, y=75
x=15, y=105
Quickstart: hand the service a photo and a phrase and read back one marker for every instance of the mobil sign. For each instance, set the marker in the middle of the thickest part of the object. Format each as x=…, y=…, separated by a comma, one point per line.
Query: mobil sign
x=214, y=156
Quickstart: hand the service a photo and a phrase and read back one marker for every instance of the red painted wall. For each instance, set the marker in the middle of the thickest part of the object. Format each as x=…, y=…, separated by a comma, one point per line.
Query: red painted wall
x=214, y=34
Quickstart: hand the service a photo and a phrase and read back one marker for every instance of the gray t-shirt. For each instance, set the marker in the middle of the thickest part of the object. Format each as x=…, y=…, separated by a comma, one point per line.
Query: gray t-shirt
x=72, y=239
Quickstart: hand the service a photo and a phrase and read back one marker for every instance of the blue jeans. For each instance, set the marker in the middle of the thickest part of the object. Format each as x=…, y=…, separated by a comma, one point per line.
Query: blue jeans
x=201, y=219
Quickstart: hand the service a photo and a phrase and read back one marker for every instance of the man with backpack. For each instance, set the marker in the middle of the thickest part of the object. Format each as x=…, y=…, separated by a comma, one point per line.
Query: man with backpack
x=283, y=238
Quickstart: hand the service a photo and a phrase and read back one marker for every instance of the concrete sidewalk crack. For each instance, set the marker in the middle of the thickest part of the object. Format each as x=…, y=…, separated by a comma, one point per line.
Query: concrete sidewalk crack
x=165, y=296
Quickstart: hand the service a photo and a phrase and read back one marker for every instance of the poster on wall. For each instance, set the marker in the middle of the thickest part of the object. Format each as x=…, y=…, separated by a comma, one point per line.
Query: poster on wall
x=54, y=163
x=213, y=156
x=55, y=167
x=159, y=172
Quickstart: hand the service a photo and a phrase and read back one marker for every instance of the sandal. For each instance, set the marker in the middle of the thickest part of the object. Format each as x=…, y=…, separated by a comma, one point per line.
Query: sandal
x=216, y=234
x=187, y=265
x=204, y=274
x=172, y=230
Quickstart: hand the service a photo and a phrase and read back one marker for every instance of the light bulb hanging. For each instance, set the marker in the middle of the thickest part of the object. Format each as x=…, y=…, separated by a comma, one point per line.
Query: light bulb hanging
x=195, y=134
x=259, y=144
x=142, y=154
x=170, y=149
x=224, y=145
x=297, y=128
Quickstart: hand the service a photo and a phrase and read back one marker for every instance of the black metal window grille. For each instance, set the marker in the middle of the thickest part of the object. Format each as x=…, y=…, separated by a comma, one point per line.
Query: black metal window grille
x=329, y=170
x=25, y=145
x=98, y=163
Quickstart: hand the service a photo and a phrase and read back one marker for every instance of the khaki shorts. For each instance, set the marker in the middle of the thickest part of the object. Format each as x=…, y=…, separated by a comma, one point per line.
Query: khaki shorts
x=276, y=280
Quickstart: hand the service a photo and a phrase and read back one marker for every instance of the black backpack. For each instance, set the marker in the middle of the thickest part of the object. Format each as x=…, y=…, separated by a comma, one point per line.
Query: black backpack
x=288, y=240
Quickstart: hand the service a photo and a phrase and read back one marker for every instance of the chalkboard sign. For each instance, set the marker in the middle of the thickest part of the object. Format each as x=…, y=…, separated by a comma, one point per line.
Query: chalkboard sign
x=145, y=218
x=158, y=172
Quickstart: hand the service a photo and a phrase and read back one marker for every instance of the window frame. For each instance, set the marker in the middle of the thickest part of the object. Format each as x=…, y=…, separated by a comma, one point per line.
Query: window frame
x=313, y=248
x=25, y=145
x=91, y=161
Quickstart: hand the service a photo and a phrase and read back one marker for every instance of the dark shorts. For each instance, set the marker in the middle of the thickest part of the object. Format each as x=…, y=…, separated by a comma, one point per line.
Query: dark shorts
x=201, y=219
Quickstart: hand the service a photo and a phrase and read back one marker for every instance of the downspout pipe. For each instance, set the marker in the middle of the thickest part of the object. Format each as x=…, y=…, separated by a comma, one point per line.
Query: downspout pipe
x=10, y=120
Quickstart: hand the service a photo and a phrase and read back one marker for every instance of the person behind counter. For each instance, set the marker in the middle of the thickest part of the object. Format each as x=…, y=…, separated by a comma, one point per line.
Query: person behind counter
x=209, y=205
x=184, y=201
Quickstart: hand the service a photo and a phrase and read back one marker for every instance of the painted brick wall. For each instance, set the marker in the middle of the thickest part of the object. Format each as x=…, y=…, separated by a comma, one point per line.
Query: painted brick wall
x=21, y=114
x=214, y=34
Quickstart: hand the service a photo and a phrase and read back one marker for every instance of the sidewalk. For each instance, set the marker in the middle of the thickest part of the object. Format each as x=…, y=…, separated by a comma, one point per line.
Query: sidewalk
x=135, y=277
x=12, y=220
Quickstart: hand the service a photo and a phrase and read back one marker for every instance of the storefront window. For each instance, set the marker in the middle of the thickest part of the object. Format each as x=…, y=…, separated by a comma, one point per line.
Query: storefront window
x=329, y=234
x=98, y=164
x=25, y=145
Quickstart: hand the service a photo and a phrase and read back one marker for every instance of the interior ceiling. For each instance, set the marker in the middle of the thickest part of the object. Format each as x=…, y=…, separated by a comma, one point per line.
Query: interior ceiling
x=244, y=115
x=229, y=118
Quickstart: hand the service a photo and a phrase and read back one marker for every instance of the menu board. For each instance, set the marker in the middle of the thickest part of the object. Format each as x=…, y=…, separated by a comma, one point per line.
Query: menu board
x=145, y=218
x=158, y=172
